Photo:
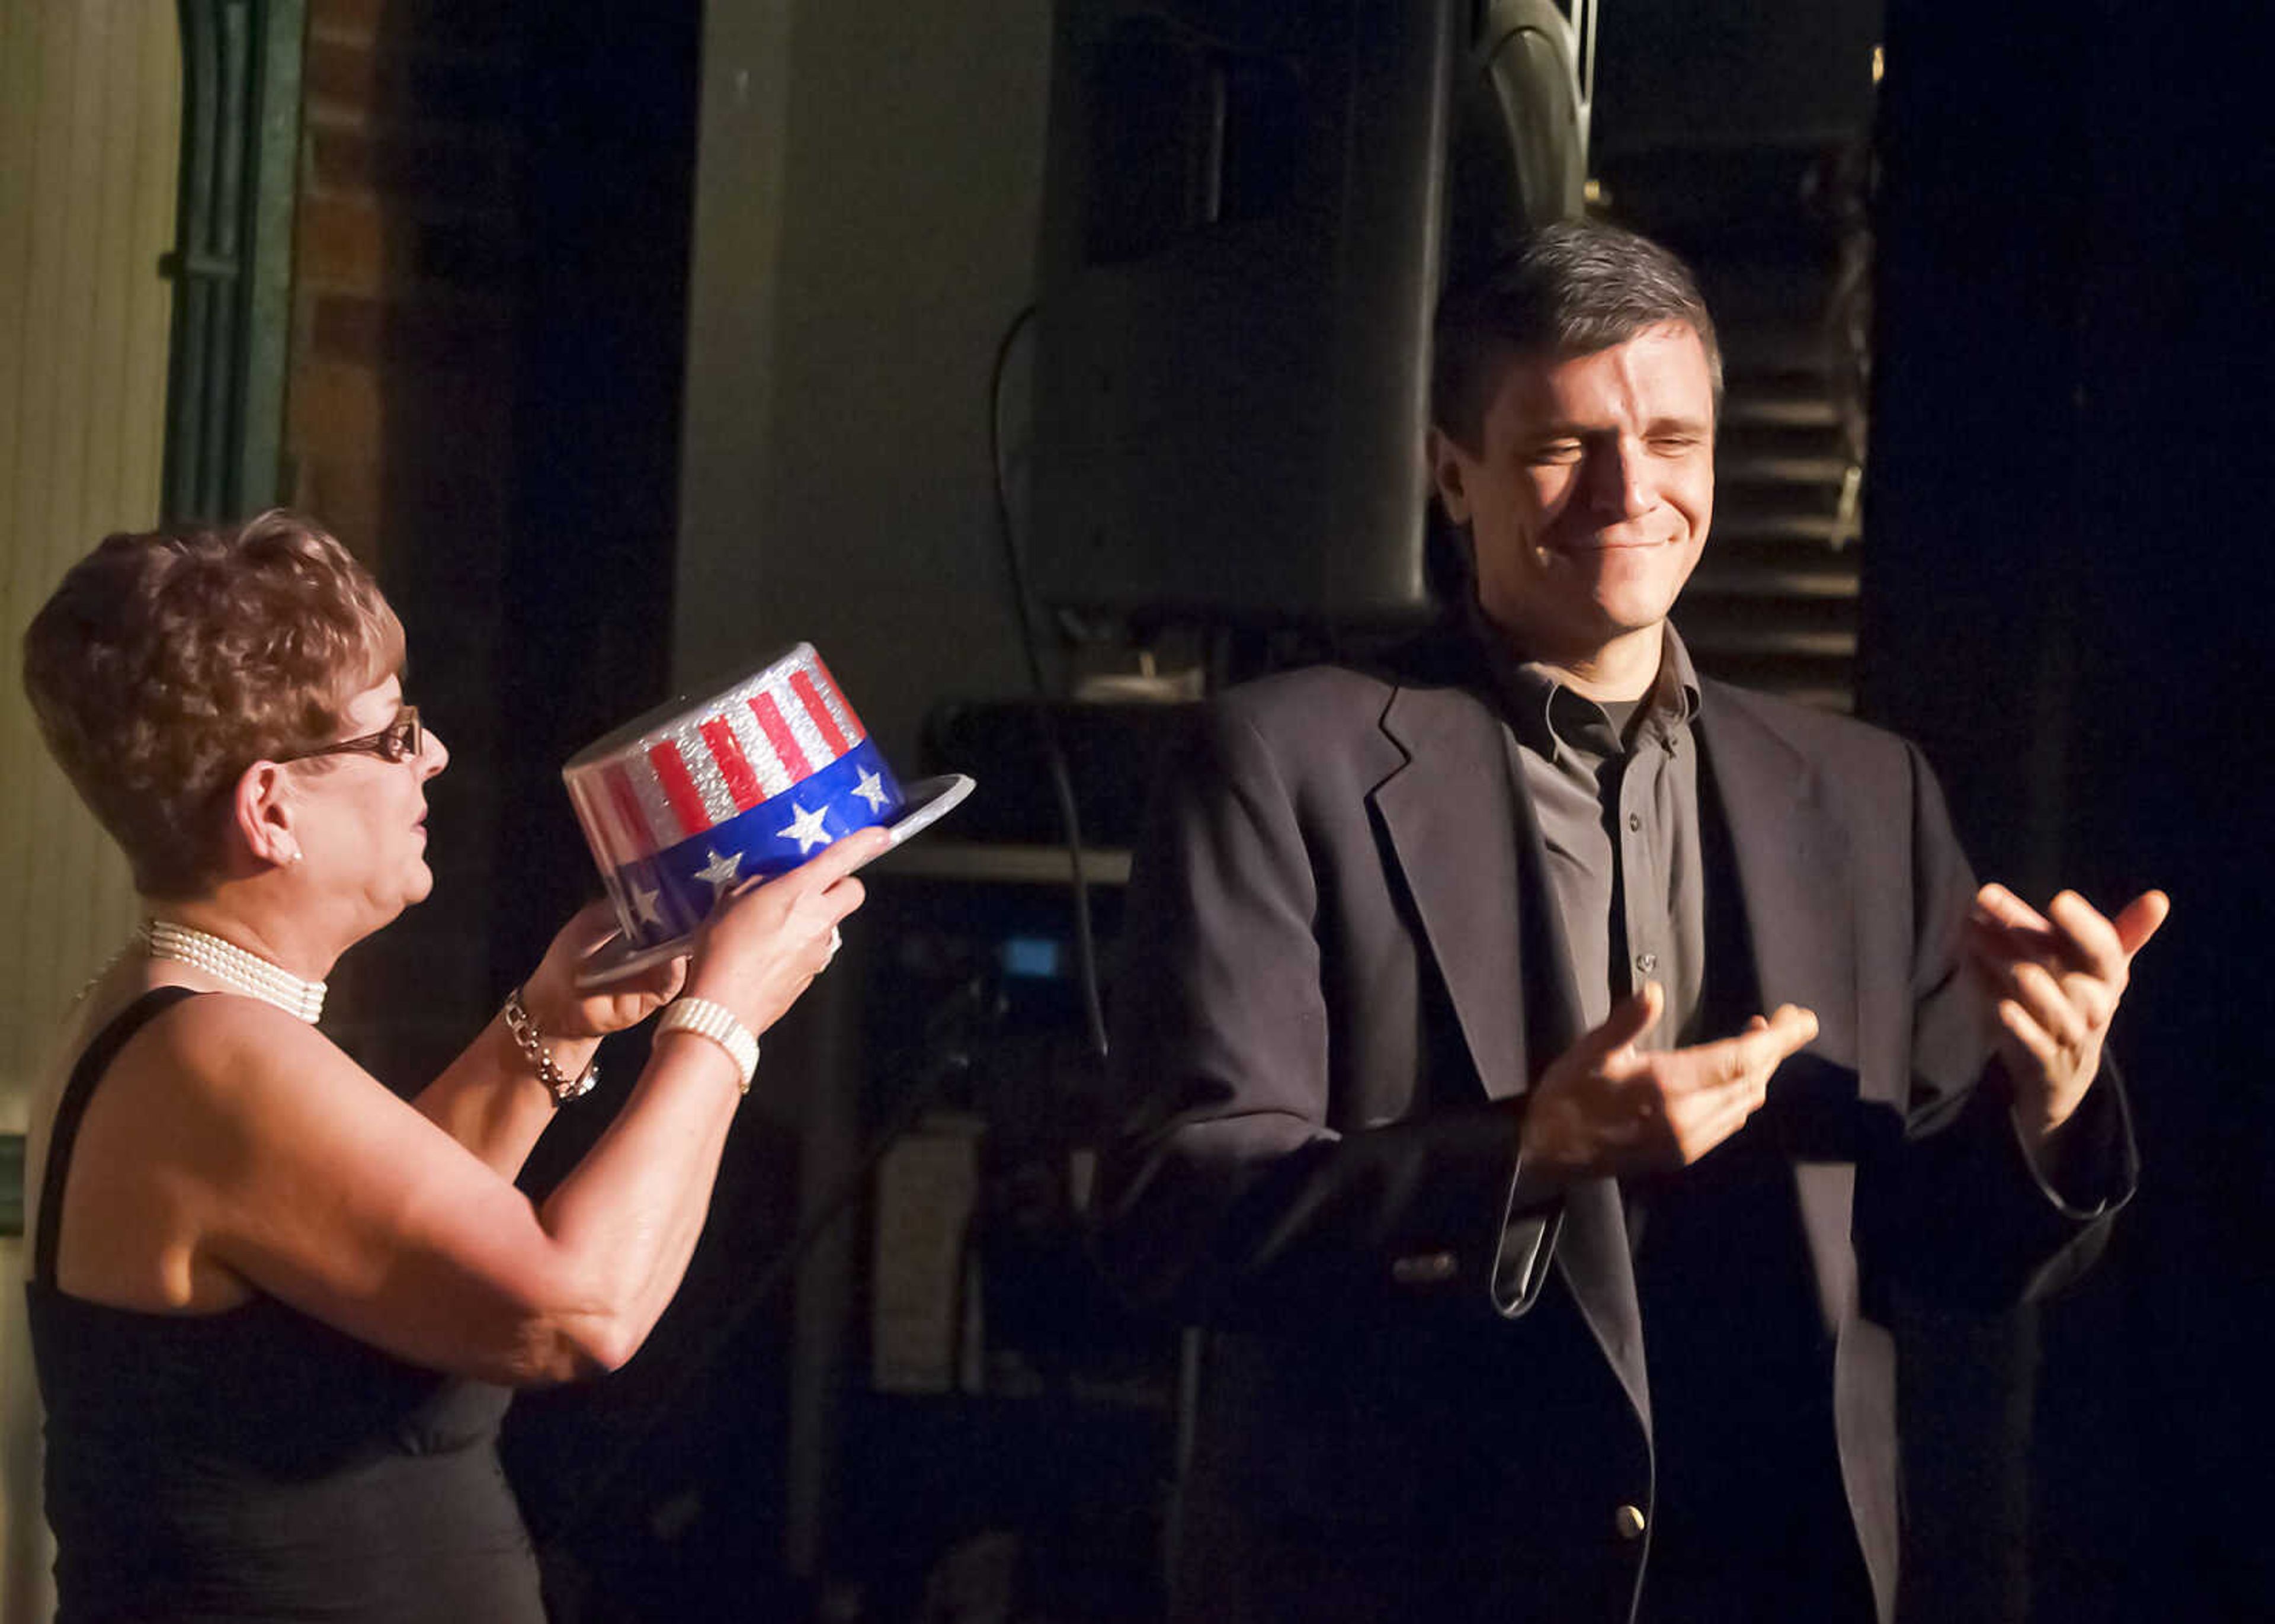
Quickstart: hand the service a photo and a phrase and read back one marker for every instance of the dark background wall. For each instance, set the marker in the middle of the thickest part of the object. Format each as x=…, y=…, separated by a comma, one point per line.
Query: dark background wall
x=1666, y=71
x=400, y=431
x=2064, y=600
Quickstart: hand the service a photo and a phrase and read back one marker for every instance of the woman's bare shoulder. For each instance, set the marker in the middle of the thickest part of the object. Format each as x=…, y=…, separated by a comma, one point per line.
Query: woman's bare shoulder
x=210, y=1077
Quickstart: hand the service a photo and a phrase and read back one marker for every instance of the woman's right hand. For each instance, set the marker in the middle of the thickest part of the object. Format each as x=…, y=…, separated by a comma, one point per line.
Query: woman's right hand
x=765, y=945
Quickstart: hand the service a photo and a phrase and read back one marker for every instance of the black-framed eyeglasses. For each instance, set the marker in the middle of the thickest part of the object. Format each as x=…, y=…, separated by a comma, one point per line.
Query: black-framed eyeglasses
x=400, y=740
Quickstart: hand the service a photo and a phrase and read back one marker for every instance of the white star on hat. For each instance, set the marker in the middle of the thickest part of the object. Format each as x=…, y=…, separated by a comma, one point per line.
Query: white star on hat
x=721, y=872
x=871, y=790
x=805, y=828
x=643, y=900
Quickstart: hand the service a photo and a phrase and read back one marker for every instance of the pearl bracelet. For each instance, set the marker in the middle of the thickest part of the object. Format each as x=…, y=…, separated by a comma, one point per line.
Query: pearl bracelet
x=704, y=1019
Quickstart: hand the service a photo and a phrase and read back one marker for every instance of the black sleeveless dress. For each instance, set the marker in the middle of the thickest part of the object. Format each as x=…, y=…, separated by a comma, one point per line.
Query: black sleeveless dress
x=256, y=1465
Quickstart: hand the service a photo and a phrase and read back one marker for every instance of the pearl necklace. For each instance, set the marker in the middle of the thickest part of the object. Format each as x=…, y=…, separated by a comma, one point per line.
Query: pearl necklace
x=225, y=960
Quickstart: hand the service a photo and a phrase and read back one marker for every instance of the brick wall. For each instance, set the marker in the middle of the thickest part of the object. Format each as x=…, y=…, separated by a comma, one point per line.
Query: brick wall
x=400, y=435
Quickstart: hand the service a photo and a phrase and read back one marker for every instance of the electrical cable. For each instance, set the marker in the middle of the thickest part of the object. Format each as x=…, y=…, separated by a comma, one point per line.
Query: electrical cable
x=1086, y=944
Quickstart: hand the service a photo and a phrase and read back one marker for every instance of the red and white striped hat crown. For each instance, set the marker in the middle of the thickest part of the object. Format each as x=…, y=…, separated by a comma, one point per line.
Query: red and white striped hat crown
x=694, y=798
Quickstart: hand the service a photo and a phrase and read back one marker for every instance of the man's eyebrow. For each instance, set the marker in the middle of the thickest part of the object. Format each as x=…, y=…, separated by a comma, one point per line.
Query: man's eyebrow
x=1543, y=433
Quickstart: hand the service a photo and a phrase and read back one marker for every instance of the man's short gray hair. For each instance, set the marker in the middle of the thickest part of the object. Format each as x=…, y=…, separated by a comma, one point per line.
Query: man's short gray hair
x=1569, y=289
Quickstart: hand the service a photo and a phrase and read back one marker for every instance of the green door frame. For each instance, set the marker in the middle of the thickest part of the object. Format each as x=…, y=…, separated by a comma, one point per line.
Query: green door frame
x=231, y=265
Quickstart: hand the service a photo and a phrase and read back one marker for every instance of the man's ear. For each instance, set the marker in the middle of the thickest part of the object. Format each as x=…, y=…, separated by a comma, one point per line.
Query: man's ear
x=1449, y=473
x=261, y=811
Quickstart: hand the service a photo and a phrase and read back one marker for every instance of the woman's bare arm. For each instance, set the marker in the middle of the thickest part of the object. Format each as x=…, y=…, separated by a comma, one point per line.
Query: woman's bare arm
x=490, y=1098
x=284, y=1164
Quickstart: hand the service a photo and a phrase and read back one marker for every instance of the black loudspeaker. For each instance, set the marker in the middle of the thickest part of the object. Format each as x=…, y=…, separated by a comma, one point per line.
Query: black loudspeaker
x=1250, y=208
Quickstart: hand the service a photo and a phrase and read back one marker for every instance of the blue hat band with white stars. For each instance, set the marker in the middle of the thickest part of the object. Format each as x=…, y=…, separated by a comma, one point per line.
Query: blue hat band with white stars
x=666, y=896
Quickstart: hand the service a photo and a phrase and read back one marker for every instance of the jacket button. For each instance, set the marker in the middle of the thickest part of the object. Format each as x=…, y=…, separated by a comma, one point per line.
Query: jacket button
x=1629, y=1522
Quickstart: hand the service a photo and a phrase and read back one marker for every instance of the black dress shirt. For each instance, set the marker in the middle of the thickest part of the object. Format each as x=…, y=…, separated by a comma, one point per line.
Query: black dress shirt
x=1615, y=790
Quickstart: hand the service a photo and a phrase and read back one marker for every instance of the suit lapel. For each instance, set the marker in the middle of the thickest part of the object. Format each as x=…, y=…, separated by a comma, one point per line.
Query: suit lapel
x=1593, y=1255
x=1469, y=850
x=1792, y=864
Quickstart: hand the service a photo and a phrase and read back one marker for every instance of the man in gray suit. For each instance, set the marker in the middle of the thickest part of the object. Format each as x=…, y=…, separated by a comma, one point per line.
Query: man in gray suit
x=1546, y=1270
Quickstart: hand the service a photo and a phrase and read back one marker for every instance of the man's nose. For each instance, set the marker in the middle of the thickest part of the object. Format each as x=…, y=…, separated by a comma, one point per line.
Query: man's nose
x=437, y=756
x=1619, y=478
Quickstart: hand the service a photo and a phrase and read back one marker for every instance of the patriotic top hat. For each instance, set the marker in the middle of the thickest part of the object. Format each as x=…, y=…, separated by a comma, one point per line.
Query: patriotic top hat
x=690, y=801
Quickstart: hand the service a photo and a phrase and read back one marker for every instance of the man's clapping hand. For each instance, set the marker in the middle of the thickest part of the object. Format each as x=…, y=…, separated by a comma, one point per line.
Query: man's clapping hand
x=1606, y=1107
x=2057, y=979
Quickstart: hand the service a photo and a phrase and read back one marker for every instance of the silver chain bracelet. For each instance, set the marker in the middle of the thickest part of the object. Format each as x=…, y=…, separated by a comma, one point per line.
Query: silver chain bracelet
x=530, y=1042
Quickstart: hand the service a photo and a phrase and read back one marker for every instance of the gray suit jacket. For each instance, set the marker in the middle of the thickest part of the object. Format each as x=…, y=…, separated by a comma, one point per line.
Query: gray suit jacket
x=1343, y=973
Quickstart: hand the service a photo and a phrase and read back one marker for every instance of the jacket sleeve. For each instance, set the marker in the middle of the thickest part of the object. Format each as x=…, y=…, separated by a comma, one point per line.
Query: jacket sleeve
x=1237, y=1192
x=1958, y=1211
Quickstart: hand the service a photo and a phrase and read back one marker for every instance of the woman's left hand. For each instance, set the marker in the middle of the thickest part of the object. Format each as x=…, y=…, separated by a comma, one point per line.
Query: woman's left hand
x=561, y=1010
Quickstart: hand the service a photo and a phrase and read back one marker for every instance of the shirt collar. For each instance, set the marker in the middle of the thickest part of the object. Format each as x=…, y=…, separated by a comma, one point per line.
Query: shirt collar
x=1549, y=715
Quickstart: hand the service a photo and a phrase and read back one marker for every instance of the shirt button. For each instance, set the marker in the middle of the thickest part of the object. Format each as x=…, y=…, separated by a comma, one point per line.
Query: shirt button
x=1425, y=1269
x=1635, y=823
x=1628, y=1521
x=1646, y=962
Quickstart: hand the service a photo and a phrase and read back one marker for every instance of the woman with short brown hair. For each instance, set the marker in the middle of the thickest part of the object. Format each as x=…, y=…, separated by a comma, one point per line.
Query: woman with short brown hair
x=274, y=1307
